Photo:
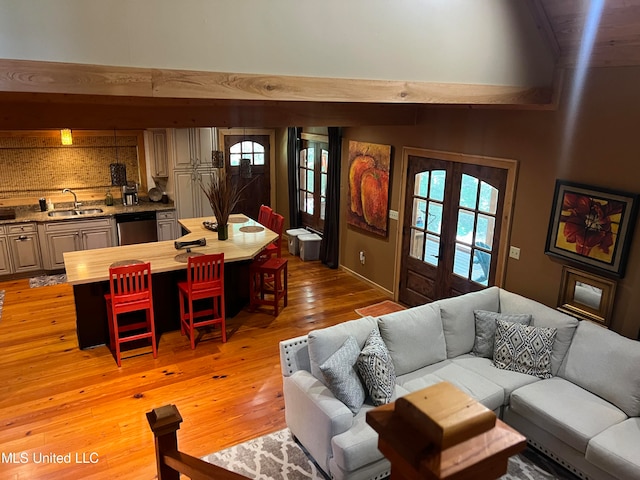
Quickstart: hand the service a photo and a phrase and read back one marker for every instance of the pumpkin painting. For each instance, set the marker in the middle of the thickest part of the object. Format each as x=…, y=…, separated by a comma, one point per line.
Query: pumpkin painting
x=359, y=165
x=375, y=192
x=369, y=186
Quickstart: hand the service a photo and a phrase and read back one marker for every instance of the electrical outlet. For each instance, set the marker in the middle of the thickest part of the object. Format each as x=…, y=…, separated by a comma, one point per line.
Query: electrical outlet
x=362, y=257
x=393, y=214
x=514, y=252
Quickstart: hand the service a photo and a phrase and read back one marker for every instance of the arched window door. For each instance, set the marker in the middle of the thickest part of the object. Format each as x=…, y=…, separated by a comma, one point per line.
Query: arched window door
x=247, y=157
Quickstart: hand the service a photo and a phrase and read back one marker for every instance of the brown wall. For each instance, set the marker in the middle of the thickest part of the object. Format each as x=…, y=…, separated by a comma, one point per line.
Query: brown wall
x=604, y=151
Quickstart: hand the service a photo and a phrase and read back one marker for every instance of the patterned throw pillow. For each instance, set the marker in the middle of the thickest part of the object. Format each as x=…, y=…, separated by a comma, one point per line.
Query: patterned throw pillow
x=376, y=369
x=341, y=377
x=486, y=329
x=524, y=349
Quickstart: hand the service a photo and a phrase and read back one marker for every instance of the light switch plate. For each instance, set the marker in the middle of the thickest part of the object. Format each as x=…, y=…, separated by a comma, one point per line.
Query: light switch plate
x=393, y=214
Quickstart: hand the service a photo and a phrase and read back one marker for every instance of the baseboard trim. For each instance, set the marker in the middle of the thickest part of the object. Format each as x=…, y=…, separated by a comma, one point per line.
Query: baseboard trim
x=369, y=282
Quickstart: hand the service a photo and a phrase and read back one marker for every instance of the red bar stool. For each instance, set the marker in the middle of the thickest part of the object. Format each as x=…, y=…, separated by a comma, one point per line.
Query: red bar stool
x=130, y=287
x=268, y=279
x=205, y=279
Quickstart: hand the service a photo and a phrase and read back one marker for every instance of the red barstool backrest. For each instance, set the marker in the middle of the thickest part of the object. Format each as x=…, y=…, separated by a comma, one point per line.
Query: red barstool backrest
x=130, y=284
x=264, y=215
x=277, y=222
x=205, y=274
x=276, y=225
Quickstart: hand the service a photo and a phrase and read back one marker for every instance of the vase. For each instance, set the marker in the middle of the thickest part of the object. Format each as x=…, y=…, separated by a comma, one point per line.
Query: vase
x=223, y=232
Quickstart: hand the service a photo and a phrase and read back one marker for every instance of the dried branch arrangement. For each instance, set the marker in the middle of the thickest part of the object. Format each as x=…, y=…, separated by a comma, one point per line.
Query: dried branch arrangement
x=223, y=195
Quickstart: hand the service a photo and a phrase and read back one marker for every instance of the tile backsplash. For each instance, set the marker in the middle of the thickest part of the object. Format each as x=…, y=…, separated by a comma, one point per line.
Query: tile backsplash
x=36, y=166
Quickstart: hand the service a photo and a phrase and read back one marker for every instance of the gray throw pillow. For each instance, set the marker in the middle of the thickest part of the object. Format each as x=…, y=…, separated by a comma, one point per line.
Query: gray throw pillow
x=341, y=377
x=524, y=349
x=486, y=329
x=376, y=369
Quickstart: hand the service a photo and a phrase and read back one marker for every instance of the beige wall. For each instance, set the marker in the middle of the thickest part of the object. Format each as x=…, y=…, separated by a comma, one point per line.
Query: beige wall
x=370, y=39
x=604, y=152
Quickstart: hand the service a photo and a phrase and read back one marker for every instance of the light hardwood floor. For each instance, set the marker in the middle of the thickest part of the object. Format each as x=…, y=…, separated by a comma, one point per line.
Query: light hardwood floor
x=56, y=399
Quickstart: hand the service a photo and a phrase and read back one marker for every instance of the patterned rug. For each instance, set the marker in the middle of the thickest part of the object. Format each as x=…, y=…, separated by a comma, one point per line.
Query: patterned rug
x=378, y=309
x=278, y=457
x=46, y=280
x=1, y=301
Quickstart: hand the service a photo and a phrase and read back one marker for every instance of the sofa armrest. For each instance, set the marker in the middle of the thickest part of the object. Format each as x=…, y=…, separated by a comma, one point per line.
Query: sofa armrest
x=314, y=415
x=294, y=355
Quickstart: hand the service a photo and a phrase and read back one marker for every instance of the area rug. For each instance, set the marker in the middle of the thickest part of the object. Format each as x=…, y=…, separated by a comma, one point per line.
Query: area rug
x=278, y=457
x=378, y=309
x=1, y=301
x=46, y=280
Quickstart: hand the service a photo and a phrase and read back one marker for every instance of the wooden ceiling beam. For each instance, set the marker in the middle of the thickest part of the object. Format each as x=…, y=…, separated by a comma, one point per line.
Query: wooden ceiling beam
x=65, y=78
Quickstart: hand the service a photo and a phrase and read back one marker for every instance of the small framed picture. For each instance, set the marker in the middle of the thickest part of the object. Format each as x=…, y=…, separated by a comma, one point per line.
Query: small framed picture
x=587, y=296
x=592, y=226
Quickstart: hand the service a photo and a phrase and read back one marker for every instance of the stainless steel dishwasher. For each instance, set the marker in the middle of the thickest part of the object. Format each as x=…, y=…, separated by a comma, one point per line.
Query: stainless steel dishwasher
x=136, y=228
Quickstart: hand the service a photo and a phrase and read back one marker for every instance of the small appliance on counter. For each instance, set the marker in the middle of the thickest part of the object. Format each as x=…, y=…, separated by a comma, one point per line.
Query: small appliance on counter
x=7, y=213
x=130, y=194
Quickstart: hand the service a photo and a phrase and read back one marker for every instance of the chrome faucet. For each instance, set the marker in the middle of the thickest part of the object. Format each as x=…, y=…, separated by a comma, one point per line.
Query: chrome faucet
x=76, y=204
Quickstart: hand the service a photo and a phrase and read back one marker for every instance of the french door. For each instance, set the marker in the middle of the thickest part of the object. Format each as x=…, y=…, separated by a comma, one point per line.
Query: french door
x=451, y=228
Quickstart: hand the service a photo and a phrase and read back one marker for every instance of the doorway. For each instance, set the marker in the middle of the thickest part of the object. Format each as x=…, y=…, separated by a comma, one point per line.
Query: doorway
x=248, y=158
x=454, y=226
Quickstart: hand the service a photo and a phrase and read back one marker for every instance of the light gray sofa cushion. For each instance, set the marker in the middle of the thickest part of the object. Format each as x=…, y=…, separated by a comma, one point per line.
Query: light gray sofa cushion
x=358, y=446
x=506, y=379
x=543, y=316
x=486, y=329
x=414, y=337
x=616, y=449
x=565, y=410
x=476, y=386
x=341, y=375
x=458, y=321
x=617, y=363
x=325, y=341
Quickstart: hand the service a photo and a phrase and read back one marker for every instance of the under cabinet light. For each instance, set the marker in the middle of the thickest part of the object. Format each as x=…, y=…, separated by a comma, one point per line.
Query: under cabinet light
x=65, y=136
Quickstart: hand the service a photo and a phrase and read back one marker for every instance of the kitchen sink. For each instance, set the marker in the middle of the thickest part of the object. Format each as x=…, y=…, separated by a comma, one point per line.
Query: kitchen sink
x=88, y=211
x=71, y=213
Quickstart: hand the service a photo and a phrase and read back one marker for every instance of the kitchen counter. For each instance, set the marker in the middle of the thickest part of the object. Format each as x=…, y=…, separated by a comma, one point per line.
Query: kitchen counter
x=32, y=213
x=88, y=272
x=89, y=266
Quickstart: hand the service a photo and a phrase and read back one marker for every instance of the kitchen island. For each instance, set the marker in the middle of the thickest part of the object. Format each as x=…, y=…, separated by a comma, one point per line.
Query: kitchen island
x=88, y=272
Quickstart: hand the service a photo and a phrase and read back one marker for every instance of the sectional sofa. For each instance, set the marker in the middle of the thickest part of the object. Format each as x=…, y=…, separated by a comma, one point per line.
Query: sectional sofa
x=573, y=388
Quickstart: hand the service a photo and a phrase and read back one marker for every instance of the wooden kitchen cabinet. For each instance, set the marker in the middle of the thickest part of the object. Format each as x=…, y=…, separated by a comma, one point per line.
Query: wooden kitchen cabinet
x=59, y=237
x=191, y=168
x=24, y=247
x=190, y=200
x=166, y=223
x=157, y=150
x=5, y=263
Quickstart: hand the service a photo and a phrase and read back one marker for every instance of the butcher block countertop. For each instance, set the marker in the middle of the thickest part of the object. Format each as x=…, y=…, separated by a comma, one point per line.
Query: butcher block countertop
x=89, y=266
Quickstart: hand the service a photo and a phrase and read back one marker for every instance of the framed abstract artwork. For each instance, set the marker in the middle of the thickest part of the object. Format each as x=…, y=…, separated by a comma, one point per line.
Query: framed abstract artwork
x=368, y=201
x=592, y=226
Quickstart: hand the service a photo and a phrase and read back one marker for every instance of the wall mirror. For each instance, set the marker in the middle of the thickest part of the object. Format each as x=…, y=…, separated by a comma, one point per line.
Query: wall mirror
x=586, y=296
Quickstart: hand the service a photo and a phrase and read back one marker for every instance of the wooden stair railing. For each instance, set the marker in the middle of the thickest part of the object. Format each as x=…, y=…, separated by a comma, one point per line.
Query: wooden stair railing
x=165, y=422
